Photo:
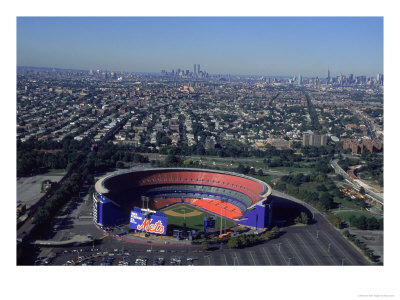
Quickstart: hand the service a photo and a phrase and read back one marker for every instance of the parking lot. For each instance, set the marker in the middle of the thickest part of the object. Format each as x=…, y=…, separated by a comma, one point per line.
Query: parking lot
x=313, y=245
x=29, y=188
x=119, y=257
x=317, y=244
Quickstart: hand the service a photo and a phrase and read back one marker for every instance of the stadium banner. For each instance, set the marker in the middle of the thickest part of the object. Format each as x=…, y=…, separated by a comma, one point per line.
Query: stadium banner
x=209, y=223
x=151, y=223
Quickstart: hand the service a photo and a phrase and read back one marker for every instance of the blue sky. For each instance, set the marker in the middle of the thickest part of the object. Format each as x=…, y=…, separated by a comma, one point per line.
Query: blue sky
x=235, y=45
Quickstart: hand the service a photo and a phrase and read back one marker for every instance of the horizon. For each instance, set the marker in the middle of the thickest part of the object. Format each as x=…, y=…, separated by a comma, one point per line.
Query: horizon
x=213, y=74
x=256, y=46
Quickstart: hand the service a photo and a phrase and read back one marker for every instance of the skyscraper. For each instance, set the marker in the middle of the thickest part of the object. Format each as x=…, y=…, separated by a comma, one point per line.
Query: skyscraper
x=328, y=79
x=299, y=81
x=351, y=78
x=194, y=73
x=198, y=68
x=379, y=78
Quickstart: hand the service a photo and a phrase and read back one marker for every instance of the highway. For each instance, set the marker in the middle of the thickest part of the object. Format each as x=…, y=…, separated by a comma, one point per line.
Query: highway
x=340, y=171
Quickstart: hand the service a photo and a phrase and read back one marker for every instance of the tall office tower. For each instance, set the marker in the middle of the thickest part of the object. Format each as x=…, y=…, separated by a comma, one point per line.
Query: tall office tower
x=194, y=73
x=351, y=78
x=198, y=68
x=299, y=81
x=328, y=79
x=379, y=78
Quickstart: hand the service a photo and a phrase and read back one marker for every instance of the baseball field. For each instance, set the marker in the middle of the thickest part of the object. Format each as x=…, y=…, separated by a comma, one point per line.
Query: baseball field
x=180, y=213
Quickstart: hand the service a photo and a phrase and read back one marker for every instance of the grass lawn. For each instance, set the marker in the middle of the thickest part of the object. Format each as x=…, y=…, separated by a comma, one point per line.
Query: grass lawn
x=194, y=222
x=293, y=169
x=346, y=203
x=56, y=172
x=345, y=216
x=311, y=186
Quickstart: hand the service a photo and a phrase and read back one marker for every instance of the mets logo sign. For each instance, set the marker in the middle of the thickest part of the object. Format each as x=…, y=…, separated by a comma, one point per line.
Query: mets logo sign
x=153, y=228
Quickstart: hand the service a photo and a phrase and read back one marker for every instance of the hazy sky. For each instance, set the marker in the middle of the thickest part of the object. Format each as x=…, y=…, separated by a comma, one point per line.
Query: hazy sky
x=235, y=45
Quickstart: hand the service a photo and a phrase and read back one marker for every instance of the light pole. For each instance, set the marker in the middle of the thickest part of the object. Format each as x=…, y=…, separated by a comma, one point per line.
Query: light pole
x=343, y=261
x=220, y=231
x=220, y=227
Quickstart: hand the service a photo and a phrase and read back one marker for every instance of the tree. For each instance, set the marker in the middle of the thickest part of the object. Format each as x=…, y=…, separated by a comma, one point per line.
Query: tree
x=362, y=222
x=372, y=223
x=233, y=242
x=326, y=200
x=304, y=218
x=204, y=245
x=243, y=241
x=322, y=188
x=297, y=220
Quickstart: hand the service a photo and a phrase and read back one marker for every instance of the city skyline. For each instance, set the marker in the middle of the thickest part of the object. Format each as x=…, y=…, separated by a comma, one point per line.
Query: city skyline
x=265, y=46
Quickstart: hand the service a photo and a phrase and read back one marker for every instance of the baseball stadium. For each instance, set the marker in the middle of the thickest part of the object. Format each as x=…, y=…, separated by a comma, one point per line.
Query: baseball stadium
x=145, y=198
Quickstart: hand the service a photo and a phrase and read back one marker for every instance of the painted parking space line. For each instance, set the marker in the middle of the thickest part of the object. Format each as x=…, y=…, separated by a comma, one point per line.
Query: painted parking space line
x=318, y=243
x=338, y=247
x=236, y=260
x=280, y=255
x=252, y=257
x=309, y=250
x=224, y=260
x=207, y=260
x=295, y=252
x=260, y=255
x=276, y=259
x=264, y=250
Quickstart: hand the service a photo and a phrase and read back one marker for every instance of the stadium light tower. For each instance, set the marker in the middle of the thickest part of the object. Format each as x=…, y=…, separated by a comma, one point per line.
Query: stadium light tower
x=220, y=226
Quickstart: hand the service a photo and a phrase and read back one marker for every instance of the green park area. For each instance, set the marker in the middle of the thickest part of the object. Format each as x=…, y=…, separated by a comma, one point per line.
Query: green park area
x=56, y=172
x=345, y=216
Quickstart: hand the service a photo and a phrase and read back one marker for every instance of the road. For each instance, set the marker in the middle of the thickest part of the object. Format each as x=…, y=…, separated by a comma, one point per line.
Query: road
x=340, y=171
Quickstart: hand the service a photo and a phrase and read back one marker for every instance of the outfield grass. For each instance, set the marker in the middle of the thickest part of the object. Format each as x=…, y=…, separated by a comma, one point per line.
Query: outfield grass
x=195, y=222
